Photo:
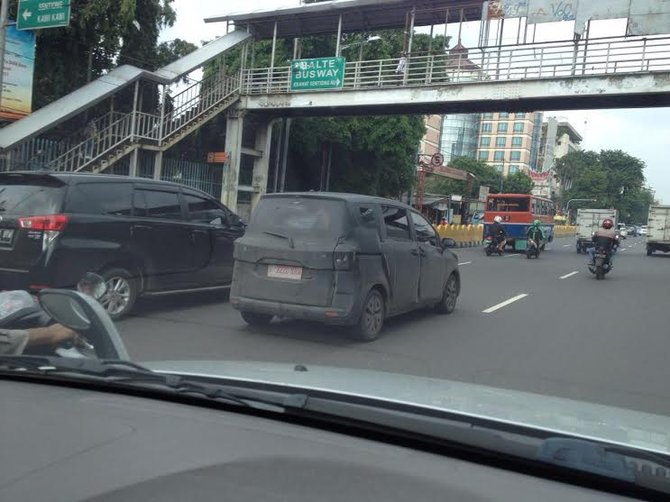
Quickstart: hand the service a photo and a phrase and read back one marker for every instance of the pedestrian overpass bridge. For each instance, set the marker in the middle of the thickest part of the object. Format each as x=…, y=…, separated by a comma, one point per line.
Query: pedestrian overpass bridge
x=589, y=73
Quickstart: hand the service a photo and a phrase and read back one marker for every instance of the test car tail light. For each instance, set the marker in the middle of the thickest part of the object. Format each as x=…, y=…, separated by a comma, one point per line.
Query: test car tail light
x=344, y=260
x=51, y=225
x=48, y=223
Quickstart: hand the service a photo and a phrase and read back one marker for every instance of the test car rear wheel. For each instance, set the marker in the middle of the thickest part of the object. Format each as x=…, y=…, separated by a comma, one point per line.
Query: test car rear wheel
x=121, y=293
x=256, y=319
x=372, y=317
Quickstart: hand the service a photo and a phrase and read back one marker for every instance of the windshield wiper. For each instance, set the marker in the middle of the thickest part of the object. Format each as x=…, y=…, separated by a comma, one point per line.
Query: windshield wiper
x=119, y=372
x=281, y=236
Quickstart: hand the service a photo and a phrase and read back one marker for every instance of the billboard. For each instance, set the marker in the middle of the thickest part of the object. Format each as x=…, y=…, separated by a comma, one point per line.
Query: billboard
x=498, y=9
x=551, y=11
x=645, y=17
x=648, y=17
x=17, y=91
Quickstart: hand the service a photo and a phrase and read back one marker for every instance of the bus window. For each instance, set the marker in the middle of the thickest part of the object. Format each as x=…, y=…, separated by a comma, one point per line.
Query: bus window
x=509, y=204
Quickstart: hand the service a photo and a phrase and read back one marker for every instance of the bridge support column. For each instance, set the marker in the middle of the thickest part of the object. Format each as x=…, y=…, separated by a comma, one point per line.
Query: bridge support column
x=233, y=146
x=262, y=163
x=132, y=171
x=158, y=165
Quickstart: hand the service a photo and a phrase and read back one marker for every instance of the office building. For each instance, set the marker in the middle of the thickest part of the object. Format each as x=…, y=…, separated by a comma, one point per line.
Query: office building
x=510, y=142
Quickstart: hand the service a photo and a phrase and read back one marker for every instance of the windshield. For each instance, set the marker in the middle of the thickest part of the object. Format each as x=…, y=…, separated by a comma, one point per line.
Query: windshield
x=300, y=217
x=304, y=192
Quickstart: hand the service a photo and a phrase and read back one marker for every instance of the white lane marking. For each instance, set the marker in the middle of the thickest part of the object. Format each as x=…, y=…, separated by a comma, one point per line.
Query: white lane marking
x=566, y=245
x=569, y=275
x=465, y=263
x=505, y=303
x=622, y=249
x=510, y=255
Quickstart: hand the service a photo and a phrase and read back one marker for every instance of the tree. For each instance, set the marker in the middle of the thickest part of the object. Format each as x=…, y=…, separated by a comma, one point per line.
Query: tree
x=484, y=175
x=612, y=177
x=102, y=34
x=518, y=182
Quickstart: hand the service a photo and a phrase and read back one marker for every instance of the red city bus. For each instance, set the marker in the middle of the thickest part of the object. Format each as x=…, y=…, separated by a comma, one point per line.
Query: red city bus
x=518, y=211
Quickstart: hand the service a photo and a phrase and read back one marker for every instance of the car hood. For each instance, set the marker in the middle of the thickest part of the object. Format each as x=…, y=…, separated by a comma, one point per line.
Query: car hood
x=586, y=420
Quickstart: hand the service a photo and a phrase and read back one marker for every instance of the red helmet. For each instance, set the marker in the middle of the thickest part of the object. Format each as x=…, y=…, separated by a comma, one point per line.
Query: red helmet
x=608, y=223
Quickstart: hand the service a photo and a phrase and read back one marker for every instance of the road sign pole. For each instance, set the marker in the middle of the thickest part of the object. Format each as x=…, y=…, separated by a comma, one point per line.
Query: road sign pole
x=3, y=37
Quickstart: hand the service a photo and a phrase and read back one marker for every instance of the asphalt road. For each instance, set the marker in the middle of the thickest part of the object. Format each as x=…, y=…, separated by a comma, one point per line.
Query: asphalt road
x=571, y=336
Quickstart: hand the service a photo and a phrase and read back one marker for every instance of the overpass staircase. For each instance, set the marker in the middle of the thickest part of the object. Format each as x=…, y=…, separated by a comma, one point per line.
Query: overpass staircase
x=107, y=139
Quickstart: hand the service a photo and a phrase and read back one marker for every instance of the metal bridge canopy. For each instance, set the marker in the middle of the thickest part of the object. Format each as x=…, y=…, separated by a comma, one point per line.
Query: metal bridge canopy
x=357, y=16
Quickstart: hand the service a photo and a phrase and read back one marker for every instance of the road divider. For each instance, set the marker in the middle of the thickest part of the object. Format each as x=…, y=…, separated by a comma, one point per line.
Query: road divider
x=564, y=230
x=569, y=275
x=464, y=235
x=505, y=303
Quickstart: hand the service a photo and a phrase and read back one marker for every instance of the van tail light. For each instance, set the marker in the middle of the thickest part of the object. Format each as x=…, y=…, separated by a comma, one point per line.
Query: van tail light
x=344, y=260
x=51, y=225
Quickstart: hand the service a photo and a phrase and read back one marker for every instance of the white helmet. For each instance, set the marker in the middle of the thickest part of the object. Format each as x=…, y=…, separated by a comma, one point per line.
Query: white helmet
x=497, y=219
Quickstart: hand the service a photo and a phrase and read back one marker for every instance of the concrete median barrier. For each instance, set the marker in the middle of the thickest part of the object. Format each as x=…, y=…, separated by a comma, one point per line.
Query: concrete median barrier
x=564, y=230
x=464, y=235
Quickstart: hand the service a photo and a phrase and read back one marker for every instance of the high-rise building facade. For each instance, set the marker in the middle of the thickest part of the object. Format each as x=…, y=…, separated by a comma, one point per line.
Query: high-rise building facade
x=510, y=142
x=459, y=136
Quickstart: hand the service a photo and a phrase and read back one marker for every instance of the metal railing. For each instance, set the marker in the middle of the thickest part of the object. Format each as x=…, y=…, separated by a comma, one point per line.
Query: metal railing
x=96, y=147
x=506, y=63
x=198, y=100
x=192, y=103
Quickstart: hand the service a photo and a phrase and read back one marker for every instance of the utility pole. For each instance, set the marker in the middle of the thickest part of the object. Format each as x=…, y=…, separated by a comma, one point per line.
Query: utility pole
x=4, y=7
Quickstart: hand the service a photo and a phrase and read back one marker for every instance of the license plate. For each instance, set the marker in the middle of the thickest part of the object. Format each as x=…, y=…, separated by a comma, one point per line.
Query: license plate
x=6, y=235
x=285, y=272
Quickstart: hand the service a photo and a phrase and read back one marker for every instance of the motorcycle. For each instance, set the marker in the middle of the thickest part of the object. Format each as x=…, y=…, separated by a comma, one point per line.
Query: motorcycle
x=532, y=249
x=601, y=263
x=19, y=310
x=492, y=246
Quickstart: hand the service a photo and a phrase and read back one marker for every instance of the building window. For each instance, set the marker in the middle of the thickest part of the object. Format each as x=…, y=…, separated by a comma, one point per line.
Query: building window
x=518, y=126
x=503, y=115
x=515, y=156
x=502, y=127
x=517, y=141
x=484, y=155
x=487, y=115
x=498, y=167
x=498, y=155
x=513, y=169
x=519, y=116
x=485, y=141
x=487, y=127
x=501, y=140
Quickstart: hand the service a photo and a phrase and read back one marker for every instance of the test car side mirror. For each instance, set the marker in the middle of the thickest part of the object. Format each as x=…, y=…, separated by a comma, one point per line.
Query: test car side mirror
x=84, y=314
x=448, y=242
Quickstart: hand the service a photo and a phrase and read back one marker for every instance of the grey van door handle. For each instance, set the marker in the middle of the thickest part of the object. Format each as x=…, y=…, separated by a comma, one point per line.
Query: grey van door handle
x=138, y=227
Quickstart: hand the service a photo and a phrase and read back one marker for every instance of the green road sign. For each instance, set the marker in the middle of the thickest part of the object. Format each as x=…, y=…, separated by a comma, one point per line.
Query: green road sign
x=317, y=73
x=36, y=14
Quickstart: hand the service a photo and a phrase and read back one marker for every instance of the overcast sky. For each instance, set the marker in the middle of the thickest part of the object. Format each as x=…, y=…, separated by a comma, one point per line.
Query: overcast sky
x=643, y=133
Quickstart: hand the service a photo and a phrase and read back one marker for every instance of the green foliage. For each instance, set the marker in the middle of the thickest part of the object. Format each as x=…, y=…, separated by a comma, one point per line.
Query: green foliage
x=612, y=177
x=518, y=182
x=485, y=175
x=371, y=155
x=102, y=34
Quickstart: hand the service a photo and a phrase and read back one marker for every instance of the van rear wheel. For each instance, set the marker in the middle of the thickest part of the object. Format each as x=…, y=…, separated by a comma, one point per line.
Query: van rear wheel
x=121, y=293
x=256, y=319
x=372, y=317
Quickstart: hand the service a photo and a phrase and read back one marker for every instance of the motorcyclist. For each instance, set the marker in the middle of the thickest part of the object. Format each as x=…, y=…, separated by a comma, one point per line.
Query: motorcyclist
x=606, y=238
x=498, y=234
x=16, y=341
x=535, y=234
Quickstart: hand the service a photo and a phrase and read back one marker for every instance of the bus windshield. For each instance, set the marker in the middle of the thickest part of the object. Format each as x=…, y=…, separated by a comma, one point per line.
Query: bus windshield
x=509, y=204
